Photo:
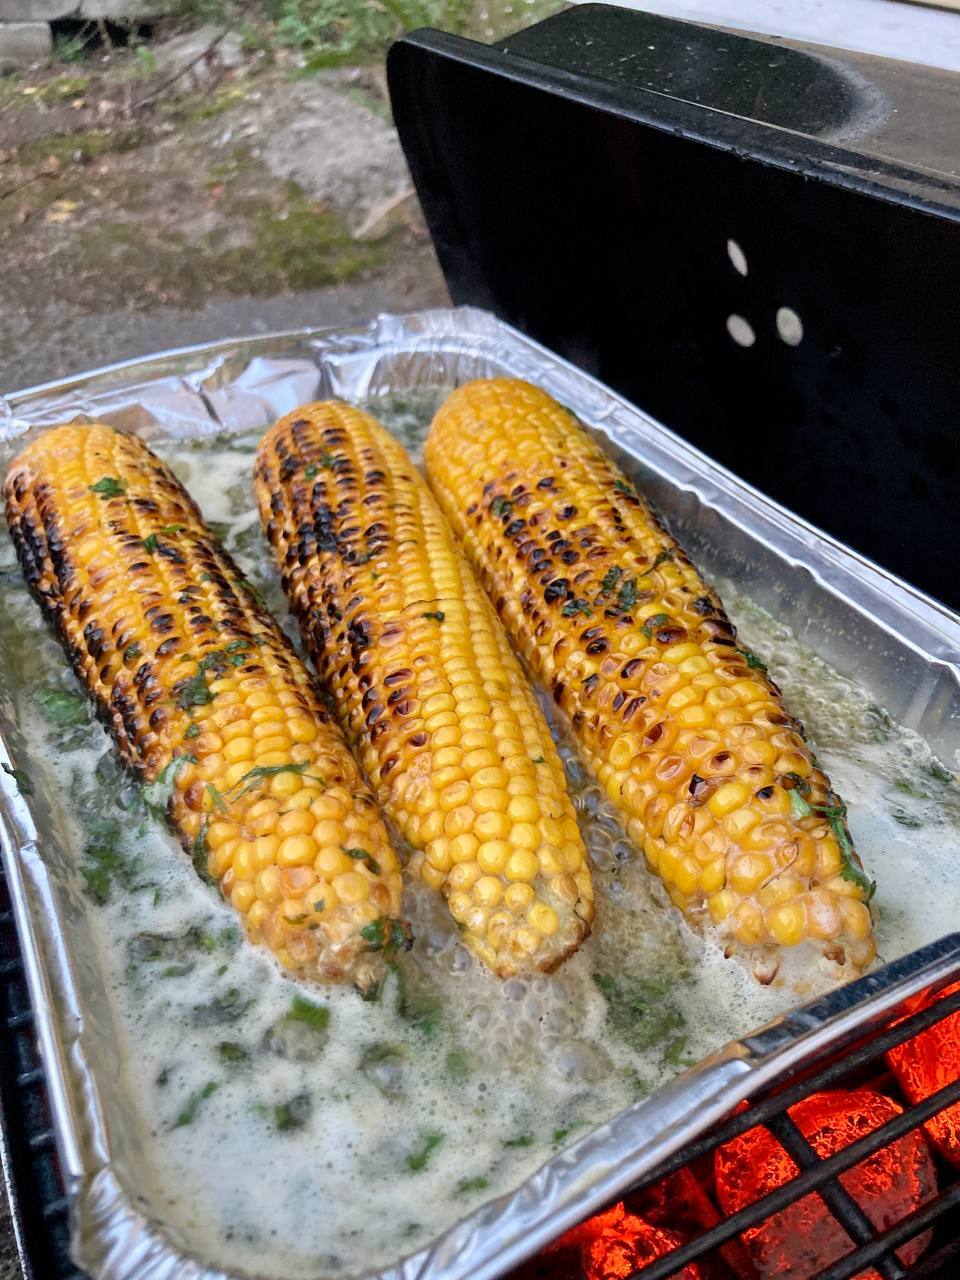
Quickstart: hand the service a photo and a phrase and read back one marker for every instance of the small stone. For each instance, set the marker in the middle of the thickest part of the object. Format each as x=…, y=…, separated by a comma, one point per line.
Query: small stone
x=196, y=58
x=23, y=43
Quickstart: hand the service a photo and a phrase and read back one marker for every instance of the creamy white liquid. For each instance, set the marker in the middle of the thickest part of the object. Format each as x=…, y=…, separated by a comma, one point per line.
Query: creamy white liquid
x=335, y=1151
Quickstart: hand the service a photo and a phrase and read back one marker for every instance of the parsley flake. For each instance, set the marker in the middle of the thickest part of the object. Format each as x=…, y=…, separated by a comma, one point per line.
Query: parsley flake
x=361, y=855
x=109, y=487
x=438, y=615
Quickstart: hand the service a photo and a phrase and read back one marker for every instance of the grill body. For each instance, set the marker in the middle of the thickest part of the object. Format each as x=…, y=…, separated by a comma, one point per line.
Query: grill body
x=755, y=241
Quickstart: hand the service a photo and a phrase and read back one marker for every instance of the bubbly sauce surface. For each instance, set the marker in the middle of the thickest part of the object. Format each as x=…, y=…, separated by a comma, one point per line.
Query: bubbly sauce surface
x=294, y=1132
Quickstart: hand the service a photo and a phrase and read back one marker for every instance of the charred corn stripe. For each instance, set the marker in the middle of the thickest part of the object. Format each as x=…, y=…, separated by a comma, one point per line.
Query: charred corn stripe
x=683, y=729
x=426, y=685
x=202, y=691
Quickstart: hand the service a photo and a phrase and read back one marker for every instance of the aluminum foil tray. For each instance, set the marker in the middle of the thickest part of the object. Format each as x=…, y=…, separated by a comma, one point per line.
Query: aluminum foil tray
x=867, y=624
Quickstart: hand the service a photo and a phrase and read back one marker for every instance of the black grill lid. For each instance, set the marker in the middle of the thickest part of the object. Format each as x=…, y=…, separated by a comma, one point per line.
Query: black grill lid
x=583, y=178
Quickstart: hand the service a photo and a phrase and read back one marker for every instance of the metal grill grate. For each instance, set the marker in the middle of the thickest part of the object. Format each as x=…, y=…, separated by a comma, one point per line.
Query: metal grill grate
x=27, y=1148
x=874, y=1249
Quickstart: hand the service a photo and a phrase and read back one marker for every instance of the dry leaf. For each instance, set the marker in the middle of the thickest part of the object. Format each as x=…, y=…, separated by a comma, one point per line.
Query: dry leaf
x=60, y=211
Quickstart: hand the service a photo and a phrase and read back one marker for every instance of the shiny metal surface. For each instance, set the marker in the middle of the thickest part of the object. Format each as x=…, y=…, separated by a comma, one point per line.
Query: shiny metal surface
x=869, y=625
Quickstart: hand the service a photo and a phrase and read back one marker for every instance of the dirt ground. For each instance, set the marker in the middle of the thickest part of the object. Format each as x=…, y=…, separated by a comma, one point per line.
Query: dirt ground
x=137, y=214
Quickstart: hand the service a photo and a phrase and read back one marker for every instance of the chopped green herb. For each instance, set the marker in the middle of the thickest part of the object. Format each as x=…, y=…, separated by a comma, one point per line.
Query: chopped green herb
x=524, y=1140
x=626, y=488
x=311, y=472
x=386, y=935
x=253, y=777
x=883, y=724
x=189, y=1112
x=836, y=815
x=192, y=731
x=226, y=1008
x=151, y=542
x=62, y=709
x=232, y=1053
x=458, y=1066
x=427, y=1145
x=673, y=1055
x=576, y=606
x=176, y=970
x=104, y=864
x=466, y=1185
x=539, y=760
x=937, y=771
x=627, y=596
x=610, y=579
x=198, y=852
x=753, y=660
x=316, y=1016
x=194, y=693
x=109, y=487
x=157, y=794
x=417, y=1000
x=501, y=507
x=132, y=651
x=560, y=1134
x=21, y=778
x=375, y=576
x=662, y=558
x=654, y=621
x=293, y=1114
x=236, y=646
x=361, y=855
x=799, y=807
x=172, y=528
x=640, y=1012
x=186, y=657
x=216, y=798
x=438, y=615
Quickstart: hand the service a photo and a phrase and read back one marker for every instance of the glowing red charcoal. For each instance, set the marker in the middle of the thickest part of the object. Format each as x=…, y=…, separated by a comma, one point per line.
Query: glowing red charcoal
x=804, y=1238
x=615, y=1244
x=927, y=1063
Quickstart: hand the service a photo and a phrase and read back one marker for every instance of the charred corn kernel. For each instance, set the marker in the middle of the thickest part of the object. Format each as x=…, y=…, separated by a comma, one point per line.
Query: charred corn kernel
x=646, y=654
x=446, y=724
x=132, y=580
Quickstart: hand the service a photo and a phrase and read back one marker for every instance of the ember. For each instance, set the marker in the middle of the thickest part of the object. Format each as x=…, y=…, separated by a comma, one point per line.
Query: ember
x=799, y=1241
x=929, y=1062
x=617, y=1243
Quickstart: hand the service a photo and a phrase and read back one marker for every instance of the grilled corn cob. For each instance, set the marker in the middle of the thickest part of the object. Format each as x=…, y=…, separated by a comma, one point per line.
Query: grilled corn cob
x=205, y=699
x=683, y=729
x=425, y=684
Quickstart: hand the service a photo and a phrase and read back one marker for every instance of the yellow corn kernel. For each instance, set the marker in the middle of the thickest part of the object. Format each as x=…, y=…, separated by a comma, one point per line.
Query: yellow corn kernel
x=488, y=891
x=787, y=923
x=297, y=851
x=522, y=865
x=732, y=795
x=749, y=872
x=351, y=887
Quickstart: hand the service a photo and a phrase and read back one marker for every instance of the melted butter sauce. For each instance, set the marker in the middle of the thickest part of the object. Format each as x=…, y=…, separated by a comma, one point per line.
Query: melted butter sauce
x=301, y=1133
